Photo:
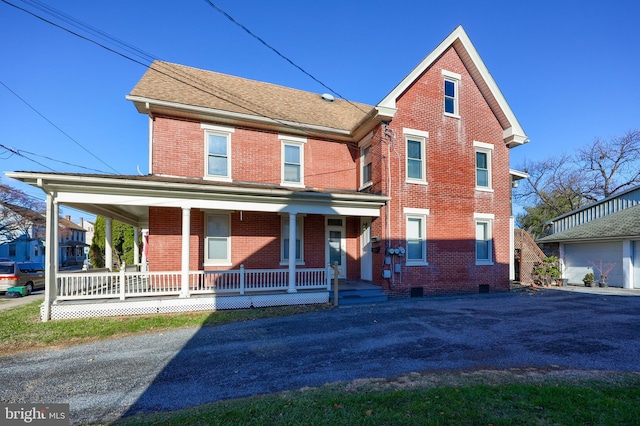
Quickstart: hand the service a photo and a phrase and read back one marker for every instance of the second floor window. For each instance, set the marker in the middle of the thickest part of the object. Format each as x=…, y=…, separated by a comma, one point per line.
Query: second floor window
x=416, y=141
x=292, y=160
x=365, y=159
x=217, y=152
x=483, y=165
x=218, y=161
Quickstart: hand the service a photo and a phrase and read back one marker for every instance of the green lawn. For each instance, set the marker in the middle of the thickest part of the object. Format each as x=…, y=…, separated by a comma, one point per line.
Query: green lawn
x=22, y=329
x=413, y=402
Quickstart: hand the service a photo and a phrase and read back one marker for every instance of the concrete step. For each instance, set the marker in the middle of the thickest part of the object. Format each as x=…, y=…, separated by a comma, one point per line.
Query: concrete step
x=359, y=296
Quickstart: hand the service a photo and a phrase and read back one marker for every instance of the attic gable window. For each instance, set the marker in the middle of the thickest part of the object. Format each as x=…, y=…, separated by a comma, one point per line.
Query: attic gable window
x=451, y=98
x=217, y=149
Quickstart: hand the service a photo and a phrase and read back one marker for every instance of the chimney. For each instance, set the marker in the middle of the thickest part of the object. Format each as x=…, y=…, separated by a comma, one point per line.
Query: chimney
x=68, y=217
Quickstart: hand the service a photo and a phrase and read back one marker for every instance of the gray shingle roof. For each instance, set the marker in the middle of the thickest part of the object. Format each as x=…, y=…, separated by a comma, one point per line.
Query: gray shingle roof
x=622, y=224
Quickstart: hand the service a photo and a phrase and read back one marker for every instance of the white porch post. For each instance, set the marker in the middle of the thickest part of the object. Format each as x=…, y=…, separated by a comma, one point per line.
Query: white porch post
x=50, y=258
x=292, y=253
x=186, y=233
x=136, y=246
x=627, y=264
x=108, y=250
x=145, y=248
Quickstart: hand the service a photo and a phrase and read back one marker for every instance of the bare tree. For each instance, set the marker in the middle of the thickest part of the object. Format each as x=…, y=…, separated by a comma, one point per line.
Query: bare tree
x=614, y=163
x=558, y=185
x=20, y=214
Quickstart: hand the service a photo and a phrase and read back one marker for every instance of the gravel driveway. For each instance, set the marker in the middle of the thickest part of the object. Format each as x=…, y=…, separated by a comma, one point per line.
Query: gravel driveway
x=170, y=370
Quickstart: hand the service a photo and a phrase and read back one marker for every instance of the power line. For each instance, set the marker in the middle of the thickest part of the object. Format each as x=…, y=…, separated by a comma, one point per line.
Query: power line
x=15, y=151
x=58, y=128
x=22, y=152
x=200, y=82
x=277, y=52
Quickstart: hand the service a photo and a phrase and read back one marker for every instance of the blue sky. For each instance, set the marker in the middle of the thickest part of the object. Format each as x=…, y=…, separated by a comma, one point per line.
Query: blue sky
x=569, y=69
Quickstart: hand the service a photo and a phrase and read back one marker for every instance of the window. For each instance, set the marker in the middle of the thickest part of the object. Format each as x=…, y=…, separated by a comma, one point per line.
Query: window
x=451, y=83
x=12, y=250
x=292, y=160
x=365, y=159
x=218, y=240
x=217, y=151
x=416, y=151
x=416, y=227
x=484, y=223
x=284, y=240
x=484, y=153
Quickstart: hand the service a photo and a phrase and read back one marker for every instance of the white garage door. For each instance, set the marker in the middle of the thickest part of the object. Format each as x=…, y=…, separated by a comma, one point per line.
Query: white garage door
x=579, y=259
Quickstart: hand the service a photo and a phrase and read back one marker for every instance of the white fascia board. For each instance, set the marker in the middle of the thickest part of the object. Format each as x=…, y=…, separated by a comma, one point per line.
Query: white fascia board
x=515, y=136
x=389, y=101
x=517, y=174
x=234, y=116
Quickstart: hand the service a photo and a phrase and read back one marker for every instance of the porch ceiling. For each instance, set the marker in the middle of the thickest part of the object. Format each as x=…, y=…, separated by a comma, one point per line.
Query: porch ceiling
x=128, y=198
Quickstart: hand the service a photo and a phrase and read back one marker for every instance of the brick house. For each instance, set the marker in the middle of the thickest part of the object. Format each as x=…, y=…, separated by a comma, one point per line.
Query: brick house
x=412, y=194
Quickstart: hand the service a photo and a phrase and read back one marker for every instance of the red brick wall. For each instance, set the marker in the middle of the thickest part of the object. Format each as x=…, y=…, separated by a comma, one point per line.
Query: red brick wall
x=179, y=150
x=450, y=194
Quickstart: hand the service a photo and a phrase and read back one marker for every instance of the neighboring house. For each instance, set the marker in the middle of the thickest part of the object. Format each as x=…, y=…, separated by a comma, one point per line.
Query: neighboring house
x=604, y=233
x=89, y=227
x=72, y=242
x=257, y=188
x=28, y=243
x=23, y=236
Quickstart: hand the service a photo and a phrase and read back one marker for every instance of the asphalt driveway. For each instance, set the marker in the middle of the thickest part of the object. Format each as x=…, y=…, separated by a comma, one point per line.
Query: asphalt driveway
x=170, y=370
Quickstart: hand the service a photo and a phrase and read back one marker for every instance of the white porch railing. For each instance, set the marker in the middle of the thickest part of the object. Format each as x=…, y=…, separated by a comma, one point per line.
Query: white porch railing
x=125, y=284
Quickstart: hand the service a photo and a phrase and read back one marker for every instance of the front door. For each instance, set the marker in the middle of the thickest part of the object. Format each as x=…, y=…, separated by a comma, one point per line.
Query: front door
x=336, y=245
x=366, y=257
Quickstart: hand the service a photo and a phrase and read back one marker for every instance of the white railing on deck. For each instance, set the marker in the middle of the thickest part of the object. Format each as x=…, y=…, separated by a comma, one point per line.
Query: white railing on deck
x=101, y=285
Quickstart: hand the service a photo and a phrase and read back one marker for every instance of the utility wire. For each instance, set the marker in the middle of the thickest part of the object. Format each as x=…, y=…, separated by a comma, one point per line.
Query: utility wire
x=198, y=82
x=59, y=129
x=15, y=151
x=22, y=152
x=277, y=52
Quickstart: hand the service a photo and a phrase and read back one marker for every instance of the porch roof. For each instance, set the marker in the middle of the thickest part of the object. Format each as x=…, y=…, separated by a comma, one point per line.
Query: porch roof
x=127, y=198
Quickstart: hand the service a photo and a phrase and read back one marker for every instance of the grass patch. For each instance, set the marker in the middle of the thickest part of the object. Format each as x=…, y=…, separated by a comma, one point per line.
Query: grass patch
x=547, y=402
x=22, y=329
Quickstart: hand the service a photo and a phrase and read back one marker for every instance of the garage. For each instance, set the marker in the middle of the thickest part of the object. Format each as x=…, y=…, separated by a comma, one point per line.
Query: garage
x=580, y=259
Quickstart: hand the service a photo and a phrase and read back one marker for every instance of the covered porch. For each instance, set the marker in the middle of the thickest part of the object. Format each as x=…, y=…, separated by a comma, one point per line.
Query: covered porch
x=137, y=289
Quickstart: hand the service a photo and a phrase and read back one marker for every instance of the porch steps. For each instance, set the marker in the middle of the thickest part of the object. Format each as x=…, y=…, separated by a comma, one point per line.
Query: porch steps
x=358, y=294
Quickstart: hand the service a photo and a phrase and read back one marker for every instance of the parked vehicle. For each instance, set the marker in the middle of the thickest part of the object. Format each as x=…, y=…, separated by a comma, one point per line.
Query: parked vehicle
x=21, y=274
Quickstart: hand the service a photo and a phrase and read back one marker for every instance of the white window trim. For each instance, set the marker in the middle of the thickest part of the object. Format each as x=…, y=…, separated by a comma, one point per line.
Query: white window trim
x=487, y=148
x=210, y=129
x=487, y=218
x=422, y=214
x=455, y=78
x=366, y=142
x=422, y=137
x=217, y=262
x=299, y=228
x=292, y=141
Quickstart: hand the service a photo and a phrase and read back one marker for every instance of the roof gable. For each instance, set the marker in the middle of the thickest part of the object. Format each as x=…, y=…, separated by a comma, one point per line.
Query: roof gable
x=459, y=40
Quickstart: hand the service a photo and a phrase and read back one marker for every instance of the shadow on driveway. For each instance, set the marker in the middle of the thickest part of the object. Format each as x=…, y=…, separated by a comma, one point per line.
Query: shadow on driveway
x=497, y=331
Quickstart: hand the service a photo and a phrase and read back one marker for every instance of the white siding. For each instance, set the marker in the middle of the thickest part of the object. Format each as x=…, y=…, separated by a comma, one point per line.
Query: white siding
x=579, y=256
